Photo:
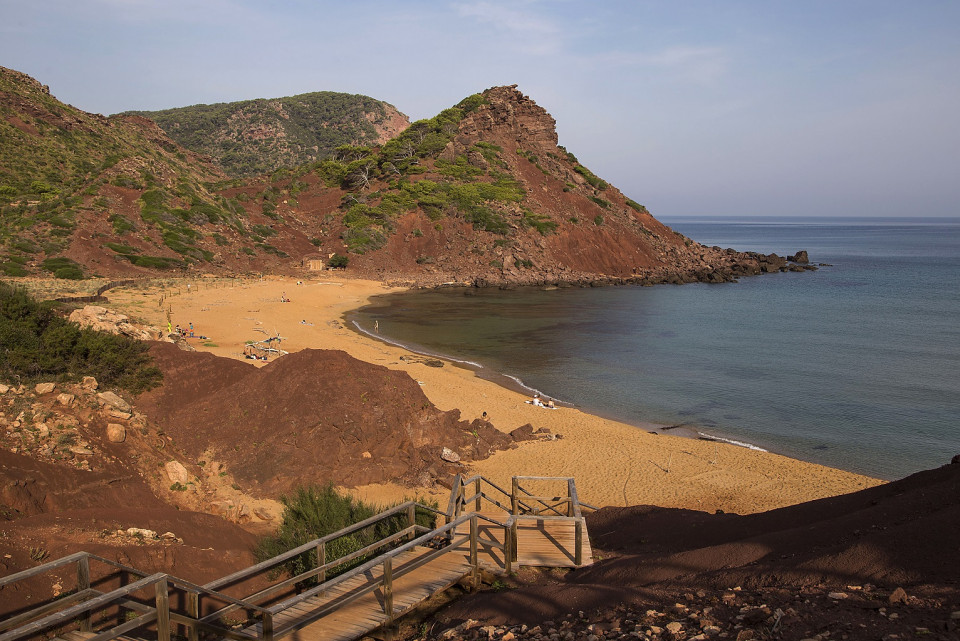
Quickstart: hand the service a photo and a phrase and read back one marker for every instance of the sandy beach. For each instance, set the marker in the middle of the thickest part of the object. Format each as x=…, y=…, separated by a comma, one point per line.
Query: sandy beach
x=613, y=463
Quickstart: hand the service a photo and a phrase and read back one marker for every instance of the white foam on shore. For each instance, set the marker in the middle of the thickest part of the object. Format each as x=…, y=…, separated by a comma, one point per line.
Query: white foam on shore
x=445, y=357
x=749, y=446
x=422, y=352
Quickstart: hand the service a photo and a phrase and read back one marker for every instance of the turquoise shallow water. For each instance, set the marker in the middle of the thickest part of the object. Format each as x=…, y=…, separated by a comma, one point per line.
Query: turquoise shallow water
x=855, y=366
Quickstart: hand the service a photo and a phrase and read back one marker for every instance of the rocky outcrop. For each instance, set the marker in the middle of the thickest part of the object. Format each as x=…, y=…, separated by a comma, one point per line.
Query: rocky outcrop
x=106, y=320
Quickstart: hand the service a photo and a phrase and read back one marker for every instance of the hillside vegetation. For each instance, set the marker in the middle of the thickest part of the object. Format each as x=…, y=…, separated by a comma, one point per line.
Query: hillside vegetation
x=39, y=345
x=479, y=194
x=254, y=137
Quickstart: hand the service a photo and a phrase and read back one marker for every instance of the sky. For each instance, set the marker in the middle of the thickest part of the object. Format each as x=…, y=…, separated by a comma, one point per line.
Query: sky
x=692, y=107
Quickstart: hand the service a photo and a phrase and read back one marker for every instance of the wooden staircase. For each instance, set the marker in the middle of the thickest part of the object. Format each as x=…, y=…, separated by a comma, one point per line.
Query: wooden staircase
x=341, y=598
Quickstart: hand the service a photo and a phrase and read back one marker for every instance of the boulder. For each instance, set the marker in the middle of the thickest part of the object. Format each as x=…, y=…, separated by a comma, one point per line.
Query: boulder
x=112, y=400
x=522, y=433
x=45, y=388
x=89, y=383
x=4, y=388
x=800, y=257
x=177, y=473
x=66, y=399
x=449, y=455
x=116, y=433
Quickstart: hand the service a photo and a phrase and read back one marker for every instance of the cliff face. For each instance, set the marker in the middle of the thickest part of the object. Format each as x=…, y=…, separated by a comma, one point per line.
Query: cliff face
x=569, y=227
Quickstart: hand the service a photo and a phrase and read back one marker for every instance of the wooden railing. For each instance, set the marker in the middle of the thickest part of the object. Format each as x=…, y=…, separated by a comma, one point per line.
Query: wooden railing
x=158, y=603
x=522, y=505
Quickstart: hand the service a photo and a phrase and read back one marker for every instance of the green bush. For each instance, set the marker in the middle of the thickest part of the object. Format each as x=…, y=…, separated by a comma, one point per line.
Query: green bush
x=600, y=201
x=338, y=261
x=62, y=267
x=637, y=206
x=313, y=512
x=41, y=345
x=598, y=220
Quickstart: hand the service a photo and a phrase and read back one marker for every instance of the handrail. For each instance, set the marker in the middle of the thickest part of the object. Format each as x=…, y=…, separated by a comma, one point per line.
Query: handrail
x=310, y=545
x=374, y=562
x=80, y=608
x=77, y=605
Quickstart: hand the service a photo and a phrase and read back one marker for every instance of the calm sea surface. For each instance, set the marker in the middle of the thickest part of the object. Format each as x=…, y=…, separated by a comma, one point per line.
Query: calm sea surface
x=855, y=366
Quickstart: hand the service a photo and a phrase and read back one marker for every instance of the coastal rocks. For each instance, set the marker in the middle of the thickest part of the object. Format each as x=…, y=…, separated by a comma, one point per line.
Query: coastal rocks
x=800, y=257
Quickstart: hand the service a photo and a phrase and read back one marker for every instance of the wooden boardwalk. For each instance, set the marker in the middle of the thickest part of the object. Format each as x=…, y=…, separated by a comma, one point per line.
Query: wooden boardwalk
x=544, y=542
x=356, y=606
x=491, y=528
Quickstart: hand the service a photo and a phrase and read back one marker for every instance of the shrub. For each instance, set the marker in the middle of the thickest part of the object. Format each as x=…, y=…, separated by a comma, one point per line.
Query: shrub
x=338, y=261
x=637, y=206
x=600, y=201
x=313, y=512
x=591, y=178
x=62, y=267
x=42, y=345
x=598, y=220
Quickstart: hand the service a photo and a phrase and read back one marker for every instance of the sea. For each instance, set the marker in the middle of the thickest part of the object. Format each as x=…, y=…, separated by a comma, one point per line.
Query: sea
x=854, y=366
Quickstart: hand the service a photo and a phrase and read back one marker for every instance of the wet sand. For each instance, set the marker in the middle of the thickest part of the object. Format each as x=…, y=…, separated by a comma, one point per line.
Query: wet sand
x=613, y=463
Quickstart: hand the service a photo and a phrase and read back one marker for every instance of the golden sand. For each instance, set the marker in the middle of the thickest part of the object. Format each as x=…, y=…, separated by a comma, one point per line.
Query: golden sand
x=613, y=463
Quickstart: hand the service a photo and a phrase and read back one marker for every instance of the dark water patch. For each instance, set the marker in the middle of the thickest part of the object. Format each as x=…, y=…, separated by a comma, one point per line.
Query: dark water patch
x=862, y=358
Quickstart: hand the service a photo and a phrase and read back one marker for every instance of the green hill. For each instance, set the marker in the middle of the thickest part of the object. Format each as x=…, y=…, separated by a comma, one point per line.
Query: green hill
x=254, y=137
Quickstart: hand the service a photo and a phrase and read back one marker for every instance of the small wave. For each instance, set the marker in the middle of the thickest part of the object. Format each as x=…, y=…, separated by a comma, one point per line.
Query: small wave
x=422, y=352
x=749, y=446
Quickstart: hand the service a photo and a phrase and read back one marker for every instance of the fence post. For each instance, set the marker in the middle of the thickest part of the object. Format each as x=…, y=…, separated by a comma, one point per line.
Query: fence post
x=474, y=559
x=513, y=538
x=163, y=610
x=193, y=611
x=578, y=543
x=83, y=583
x=476, y=487
x=507, y=549
x=388, y=587
x=412, y=520
x=267, y=626
x=322, y=560
x=514, y=488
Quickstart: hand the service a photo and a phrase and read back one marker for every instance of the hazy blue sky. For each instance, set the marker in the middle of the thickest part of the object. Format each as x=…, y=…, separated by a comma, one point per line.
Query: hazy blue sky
x=826, y=107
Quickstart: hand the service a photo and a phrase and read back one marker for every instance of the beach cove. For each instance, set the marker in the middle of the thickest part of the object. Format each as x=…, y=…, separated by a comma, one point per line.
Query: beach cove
x=613, y=463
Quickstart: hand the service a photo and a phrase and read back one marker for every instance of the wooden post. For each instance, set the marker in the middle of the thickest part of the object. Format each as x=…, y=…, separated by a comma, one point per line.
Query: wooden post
x=163, y=611
x=474, y=559
x=322, y=560
x=193, y=611
x=570, y=494
x=412, y=520
x=388, y=588
x=514, y=503
x=267, y=626
x=578, y=543
x=513, y=539
x=507, y=549
x=83, y=583
x=476, y=487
